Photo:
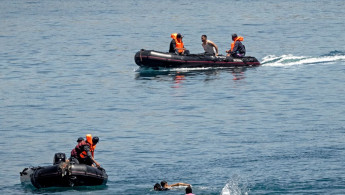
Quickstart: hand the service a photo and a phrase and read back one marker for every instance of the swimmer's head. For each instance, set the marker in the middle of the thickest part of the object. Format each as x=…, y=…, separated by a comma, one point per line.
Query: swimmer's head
x=164, y=183
x=157, y=187
x=189, y=190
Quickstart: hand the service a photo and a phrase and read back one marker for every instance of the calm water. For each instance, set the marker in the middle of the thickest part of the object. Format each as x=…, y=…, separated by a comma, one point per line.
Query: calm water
x=67, y=69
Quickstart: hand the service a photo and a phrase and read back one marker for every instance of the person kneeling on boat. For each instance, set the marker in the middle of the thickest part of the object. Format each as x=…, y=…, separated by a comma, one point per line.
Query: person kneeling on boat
x=237, y=49
x=73, y=151
x=209, y=47
x=84, y=151
x=176, y=44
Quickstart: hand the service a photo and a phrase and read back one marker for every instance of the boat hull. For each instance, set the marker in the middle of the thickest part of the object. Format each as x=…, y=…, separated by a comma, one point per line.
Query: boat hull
x=155, y=59
x=63, y=174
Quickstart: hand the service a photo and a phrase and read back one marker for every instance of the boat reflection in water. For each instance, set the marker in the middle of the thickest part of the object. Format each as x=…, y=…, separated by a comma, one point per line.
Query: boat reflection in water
x=180, y=75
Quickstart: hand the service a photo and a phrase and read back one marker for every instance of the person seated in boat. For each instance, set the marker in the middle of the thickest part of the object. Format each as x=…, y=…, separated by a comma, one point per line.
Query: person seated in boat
x=176, y=45
x=165, y=185
x=237, y=49
x=209, y=47
x=85, y=151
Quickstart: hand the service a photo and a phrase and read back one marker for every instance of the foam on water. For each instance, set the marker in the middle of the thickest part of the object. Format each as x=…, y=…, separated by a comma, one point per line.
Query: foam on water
x=291, y=60
x=234, y=186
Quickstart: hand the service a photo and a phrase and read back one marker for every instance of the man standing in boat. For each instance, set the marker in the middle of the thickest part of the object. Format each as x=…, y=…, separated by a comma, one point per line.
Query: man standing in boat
x=176, y=44
x=209, y=47
x=237, y=49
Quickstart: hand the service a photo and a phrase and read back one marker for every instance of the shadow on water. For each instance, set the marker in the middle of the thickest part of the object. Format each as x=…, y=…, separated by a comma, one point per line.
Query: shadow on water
x=183, y=73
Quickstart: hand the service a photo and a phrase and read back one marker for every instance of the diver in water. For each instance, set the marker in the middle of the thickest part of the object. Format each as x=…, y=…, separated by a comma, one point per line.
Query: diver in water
x=157, y=187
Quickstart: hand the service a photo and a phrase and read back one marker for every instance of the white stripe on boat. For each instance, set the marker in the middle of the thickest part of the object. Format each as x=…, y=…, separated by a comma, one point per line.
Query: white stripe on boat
x=161, y=54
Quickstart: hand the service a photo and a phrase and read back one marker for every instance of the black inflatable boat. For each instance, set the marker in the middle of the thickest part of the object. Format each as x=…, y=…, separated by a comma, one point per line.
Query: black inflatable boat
x=156, y=59
x=63, y=174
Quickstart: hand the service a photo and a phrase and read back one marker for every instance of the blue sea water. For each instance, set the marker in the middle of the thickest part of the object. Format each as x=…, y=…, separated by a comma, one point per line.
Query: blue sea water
x=67, y=69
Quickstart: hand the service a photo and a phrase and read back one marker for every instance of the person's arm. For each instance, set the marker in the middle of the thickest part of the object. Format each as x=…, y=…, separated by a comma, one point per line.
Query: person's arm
x=179, y=184
x=97, y=164
x=89, y=155
x=214, y=45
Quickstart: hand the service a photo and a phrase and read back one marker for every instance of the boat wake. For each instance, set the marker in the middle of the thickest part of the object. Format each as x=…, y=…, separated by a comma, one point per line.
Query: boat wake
x=291, y=60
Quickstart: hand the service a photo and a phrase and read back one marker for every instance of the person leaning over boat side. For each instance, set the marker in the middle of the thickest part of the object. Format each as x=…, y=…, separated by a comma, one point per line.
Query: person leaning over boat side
x=165, y=185
x=209, y=47
x=176, y=44
x=93, y=147
x=85, y=151
x=237, y=49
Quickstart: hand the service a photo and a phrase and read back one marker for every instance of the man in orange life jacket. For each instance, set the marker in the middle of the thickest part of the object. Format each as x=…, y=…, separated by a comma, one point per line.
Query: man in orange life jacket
x=237, y=49
x=84, y=151
x=176, y=44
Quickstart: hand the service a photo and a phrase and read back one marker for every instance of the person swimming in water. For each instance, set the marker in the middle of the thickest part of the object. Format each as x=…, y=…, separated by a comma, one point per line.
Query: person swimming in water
x=157, y=187
x=189, y=191
x=166, y=186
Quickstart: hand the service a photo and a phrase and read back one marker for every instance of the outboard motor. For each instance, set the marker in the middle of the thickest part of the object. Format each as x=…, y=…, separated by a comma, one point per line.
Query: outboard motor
x=58, y=158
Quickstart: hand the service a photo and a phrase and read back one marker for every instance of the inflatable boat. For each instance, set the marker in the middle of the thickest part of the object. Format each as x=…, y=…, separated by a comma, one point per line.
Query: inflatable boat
x=63, y=174
x=156, y=59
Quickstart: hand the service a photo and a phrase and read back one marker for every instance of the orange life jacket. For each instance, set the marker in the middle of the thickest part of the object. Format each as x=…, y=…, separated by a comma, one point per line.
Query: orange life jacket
x=92, y=150
x=179, y=43
x=233, y=43
x=83, y=154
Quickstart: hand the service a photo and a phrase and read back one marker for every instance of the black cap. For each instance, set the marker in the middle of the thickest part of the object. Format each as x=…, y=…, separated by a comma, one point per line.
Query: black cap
x=80, y=139
x=95, y=140
x=179, y=35
x=234, y=35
